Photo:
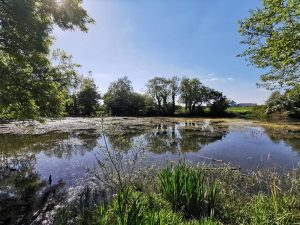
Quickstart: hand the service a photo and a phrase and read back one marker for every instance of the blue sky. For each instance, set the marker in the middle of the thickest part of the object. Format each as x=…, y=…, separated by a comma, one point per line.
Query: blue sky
x=143, y=39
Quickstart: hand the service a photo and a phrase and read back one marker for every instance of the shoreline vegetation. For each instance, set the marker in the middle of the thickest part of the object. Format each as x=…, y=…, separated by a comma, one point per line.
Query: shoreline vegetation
x=182, y=193
x=191, y=195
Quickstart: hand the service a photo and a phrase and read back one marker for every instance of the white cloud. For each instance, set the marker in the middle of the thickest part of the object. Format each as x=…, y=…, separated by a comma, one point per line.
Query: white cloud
x=100, y=75
x=213, y=79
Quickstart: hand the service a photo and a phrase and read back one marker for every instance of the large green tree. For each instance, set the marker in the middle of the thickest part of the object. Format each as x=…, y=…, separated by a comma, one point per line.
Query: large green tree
x=120, y=99
x=163, y=91
x=31, y=86
x=217, y=102
x=192, y=93
x=88, y=97
x=272, y=34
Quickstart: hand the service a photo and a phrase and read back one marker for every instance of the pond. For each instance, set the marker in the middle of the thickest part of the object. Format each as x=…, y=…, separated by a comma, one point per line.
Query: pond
x=67, y=150
x=67, y=155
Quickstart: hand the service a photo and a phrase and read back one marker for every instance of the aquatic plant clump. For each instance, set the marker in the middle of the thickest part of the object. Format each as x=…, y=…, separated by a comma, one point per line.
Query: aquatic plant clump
x=185, y=188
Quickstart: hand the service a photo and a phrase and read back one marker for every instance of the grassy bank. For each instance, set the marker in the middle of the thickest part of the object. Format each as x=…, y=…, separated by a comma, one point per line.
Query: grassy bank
x=248, y=112
x=185, y=195
x=245, y=112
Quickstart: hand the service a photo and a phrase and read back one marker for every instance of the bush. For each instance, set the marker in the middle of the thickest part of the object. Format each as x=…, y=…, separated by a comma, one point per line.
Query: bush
x=287, y=103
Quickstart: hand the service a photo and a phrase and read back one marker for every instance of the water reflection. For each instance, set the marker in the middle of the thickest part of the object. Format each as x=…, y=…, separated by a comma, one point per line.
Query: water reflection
x=289, y=137
x=22, y=192
x=294, y=143
x=182, y=137
x=68, y=155
x=60, y=145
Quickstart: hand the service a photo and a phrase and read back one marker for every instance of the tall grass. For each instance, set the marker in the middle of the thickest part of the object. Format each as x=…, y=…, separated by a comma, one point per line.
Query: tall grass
x=185, y=188
x=131, y=207
x=275, y=208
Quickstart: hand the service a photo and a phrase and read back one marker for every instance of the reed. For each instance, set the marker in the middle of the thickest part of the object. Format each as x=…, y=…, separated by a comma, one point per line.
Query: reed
x=185, y=188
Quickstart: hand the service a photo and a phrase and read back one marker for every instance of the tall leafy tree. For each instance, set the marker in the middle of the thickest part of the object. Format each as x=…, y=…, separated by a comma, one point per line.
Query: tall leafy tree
x=121, y=100
x=185, y=92
x=192, y=93
x=217, y=102
x=155, y=90
x=31, y=86
x=88, y=97
x=272, y=36
x=162, y=90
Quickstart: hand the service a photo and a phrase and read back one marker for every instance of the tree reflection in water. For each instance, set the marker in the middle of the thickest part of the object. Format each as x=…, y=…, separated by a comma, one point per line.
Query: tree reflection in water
x=24, y=197
x=183, y=137
x=22, y=193
x=60, y=145
x=289, y=137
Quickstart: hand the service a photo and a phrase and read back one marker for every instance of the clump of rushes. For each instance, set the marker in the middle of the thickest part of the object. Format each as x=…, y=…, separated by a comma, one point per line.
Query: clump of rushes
x=130, y=207
x=186, y=190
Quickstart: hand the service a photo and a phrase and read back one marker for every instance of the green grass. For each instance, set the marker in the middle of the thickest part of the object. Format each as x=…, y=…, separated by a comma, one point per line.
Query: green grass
x=248, y=112
x=241, y=110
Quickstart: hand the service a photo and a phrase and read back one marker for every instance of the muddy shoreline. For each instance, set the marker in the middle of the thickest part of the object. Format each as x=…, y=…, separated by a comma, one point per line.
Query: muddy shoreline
x=132, y=124
x=70, y=124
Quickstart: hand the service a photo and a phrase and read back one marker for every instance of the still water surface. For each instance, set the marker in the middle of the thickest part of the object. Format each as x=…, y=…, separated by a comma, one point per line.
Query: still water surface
x=67, y=156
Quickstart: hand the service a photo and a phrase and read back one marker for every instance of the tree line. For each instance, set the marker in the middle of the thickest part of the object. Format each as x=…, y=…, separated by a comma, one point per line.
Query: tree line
x=38, y=82
x=160, y=99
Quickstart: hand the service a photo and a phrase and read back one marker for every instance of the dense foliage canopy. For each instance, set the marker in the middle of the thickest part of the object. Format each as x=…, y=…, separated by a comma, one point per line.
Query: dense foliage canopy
x=31, y=85
x=272, y=35
x=287, y=103
x=194, y=94
x=121, y=100
x=163, y=91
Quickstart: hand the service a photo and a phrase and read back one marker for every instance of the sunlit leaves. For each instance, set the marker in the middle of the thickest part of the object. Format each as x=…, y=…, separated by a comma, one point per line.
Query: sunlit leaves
x=272, y=35
x=30, y=85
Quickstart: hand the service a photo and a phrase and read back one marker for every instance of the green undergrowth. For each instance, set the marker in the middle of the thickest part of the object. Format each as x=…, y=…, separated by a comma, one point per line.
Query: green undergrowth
x=186, y=195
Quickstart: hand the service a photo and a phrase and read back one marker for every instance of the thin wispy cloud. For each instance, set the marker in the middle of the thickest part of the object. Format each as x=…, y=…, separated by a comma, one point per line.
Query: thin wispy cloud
x=214, y=78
